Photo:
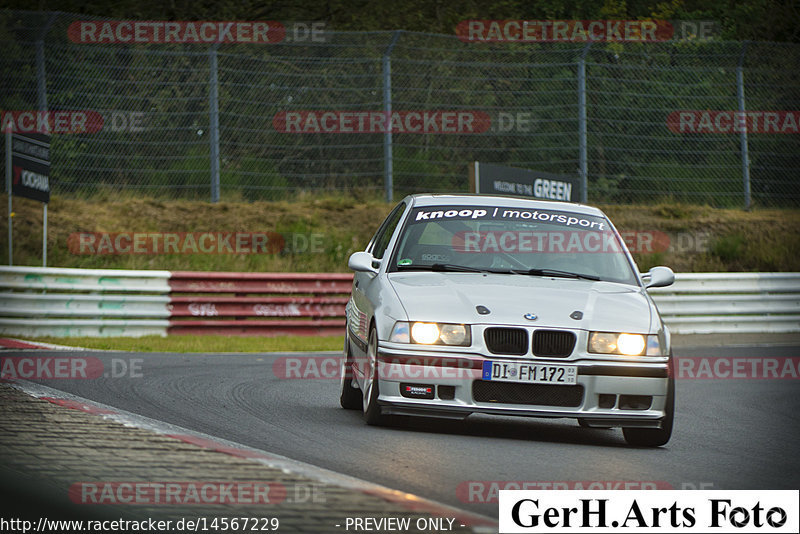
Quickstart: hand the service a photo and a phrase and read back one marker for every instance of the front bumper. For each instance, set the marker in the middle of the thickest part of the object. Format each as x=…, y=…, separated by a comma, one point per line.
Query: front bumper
x=612, y=392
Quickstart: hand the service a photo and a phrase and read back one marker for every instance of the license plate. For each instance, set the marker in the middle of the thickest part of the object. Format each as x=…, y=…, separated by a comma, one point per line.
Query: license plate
x=530, y=372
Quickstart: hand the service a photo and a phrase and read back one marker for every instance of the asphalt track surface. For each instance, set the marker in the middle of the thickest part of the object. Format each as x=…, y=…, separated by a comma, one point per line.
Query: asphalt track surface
x=729, y=434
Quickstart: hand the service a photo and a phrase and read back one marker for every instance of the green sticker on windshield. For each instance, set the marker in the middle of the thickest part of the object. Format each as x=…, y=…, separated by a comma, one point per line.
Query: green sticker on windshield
x=404, y=261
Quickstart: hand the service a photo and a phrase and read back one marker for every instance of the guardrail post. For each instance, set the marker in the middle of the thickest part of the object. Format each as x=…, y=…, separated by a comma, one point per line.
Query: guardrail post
x=743, y=133
x=583, y=165
x=213, y=104
x=388, y=171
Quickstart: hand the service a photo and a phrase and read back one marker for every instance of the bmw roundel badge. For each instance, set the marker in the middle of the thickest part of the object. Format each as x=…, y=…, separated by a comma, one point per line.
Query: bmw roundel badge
x=531, y=316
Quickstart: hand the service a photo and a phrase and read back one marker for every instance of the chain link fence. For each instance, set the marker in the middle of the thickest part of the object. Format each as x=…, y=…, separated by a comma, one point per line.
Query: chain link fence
x=199, y=120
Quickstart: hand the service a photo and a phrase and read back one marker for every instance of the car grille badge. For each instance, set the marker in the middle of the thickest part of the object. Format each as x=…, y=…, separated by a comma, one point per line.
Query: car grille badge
x=531, y=316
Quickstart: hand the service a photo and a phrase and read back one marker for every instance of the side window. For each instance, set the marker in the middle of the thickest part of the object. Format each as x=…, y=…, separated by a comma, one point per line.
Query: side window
x=384, y=234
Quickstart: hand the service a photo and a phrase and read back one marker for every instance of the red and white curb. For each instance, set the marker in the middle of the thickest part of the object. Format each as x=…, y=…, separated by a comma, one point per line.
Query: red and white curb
x=479, y=523
x=10, y=343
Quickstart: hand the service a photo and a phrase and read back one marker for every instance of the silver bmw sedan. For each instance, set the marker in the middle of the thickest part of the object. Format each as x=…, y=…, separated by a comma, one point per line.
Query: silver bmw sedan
x=467, y=304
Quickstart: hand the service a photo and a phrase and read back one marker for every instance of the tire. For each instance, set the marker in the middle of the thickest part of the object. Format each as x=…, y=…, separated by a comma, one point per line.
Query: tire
x=350, y=398
x=372, y=410
x=655, y=437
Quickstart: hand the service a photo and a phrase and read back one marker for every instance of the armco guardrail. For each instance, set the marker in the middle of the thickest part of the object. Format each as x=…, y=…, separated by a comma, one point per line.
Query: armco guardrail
x=37, y=301
x=720, y=303
x=41, y=301
x=258, y=304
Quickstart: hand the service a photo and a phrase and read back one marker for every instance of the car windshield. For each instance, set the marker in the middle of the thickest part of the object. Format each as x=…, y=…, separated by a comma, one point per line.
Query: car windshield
x=511, y=240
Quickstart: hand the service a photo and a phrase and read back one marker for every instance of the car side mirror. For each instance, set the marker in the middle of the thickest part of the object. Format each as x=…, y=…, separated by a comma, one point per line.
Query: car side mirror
x=362, y=262
x=659, y=277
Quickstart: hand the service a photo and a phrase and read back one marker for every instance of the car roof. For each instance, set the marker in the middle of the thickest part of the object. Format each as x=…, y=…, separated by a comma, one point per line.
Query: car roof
x=422, y=200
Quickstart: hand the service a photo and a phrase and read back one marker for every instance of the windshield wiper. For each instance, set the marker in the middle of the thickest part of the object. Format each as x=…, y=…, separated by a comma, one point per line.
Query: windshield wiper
x=557, y=273
x=446, y=267
x=455, y=267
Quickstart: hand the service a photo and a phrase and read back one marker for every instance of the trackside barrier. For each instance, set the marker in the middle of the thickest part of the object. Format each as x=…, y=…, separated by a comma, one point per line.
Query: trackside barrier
x=38, y=301
x=258, y=304
x=721, y=303
x=44, y=301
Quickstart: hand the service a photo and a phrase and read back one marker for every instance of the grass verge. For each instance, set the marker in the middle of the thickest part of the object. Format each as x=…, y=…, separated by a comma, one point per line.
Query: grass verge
x=201, y=343
x=318, y=234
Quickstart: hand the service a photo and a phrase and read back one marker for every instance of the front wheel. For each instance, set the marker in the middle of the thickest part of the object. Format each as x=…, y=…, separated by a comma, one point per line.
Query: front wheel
x=655, y=437
x=372, y=410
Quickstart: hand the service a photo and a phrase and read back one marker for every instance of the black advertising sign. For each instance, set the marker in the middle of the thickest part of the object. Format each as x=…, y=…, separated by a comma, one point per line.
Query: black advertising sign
x=491, y=179
x=30, y=164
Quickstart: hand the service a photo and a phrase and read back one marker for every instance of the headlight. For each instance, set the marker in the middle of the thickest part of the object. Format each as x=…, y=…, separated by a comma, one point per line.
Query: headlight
x=425, y=333
x=626, y=344
x=630, y=344
x=454, y=334
x=431, y=333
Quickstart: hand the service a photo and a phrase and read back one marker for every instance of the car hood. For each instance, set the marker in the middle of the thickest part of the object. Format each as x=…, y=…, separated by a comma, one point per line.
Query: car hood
x=453, y=297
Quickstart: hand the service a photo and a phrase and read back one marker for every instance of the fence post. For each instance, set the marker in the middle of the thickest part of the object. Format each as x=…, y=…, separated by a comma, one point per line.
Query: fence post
x=743, y=133
x=583, y=166
x=7, y=136
x=388, y=171
x=41, y=101
x=41, y=80
x=213, y=104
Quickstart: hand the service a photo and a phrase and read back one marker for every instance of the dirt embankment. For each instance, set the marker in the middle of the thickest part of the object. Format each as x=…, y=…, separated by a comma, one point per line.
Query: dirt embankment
x=317, y=235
